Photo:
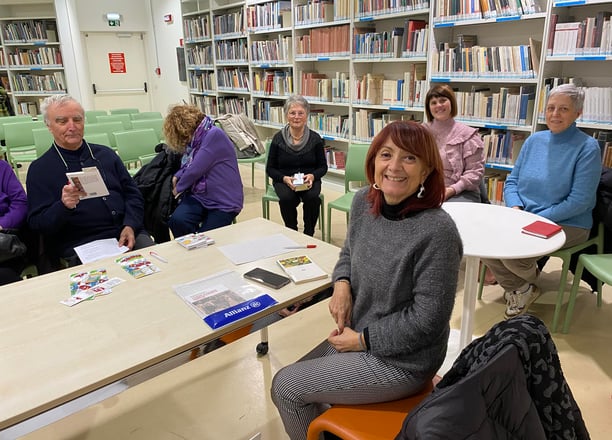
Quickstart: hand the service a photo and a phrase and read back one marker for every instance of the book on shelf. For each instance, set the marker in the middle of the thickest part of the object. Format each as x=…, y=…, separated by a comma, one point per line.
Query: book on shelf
x=541, y=229
x=223, y=298
x=535, y=50
x=195, y=240
x=301, y=269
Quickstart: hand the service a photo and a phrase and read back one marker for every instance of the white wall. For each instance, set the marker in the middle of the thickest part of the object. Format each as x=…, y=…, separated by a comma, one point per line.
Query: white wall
x=76, y=17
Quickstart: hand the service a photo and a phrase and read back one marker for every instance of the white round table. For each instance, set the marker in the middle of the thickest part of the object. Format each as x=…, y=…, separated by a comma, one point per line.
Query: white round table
x=493, y=231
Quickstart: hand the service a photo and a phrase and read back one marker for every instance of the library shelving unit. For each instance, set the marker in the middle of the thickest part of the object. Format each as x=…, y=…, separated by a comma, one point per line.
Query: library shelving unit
x=364, y=63
x=270, y=36
x=31, y=66
x=579, y=49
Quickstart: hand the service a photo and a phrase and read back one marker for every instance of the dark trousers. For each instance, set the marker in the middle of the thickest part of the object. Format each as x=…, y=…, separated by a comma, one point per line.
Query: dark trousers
x=190, y=216
x=289, y=201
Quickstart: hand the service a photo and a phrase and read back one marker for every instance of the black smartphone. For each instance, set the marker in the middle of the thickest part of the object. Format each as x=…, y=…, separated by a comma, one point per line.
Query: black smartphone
x=267, y=278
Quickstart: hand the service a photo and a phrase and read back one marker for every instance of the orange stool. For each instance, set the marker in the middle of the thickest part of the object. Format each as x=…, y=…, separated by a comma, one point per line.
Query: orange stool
x=374, y=421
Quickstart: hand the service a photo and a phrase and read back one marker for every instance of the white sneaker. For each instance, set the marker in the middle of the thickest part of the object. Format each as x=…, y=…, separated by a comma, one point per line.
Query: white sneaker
x=519, y=302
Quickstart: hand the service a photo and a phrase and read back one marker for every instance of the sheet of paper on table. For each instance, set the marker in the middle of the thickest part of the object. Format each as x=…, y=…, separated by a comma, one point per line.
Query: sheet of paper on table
x=257, y=249
x=98, y=249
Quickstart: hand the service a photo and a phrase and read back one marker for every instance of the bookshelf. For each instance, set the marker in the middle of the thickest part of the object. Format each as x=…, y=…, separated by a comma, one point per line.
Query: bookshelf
x=31, y=65
x=362, y=64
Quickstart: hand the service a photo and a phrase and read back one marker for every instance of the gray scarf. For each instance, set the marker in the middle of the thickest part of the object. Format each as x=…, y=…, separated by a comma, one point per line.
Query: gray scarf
x=289, y=140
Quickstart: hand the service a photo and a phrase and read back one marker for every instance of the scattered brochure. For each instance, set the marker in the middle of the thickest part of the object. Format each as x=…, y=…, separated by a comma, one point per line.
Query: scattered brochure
x=137, y=265
x=195, y=240
x=89, y=181
x=541, y=229
x=301, y=269
x=223, y=298
x=98, y=249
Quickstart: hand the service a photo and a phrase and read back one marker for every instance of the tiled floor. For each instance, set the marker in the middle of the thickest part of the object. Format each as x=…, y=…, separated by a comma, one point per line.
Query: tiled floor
x=586, y=357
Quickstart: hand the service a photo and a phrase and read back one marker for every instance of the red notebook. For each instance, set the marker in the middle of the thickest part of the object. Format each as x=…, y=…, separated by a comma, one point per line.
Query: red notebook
x=541, y=229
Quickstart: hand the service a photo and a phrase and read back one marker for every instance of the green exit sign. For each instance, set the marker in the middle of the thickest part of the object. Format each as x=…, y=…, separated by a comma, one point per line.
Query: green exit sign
x=114, y=22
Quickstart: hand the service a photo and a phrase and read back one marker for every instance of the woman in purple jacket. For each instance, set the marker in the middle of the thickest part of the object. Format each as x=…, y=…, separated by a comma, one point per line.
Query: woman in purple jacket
x=13, y=211
x=208, y=184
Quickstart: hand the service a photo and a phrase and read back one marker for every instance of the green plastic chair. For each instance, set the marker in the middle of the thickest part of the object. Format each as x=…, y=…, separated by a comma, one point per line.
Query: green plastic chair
x=270, y=196
x=354, y=172
x=99, y=138
x=600, y=266
x=104, y=127
x=19, y=141
x=124, y=111
x=133, y=144
x=124, y=119
x=146, y=115
x=155, y=124
x=42, y=140
x=92, y=115
x=565, y=255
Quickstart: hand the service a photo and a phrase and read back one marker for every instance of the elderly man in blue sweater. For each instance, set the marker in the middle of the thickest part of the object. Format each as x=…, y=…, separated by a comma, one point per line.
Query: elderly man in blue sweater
x=55, y=206
x=555, y=176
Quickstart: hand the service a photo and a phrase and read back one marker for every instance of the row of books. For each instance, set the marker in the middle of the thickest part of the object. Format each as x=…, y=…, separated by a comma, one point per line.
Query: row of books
x=330, y=41
x=512, y=105
x=368, y=122
x=196, y=29
x=279, y=50
x=270, y=15
x=484, y=62
x=273, y=82
x=28, y=108
x=604, y=139
x=199, y=56
x=233, y=78
x=336, y=159
x=42, y=56
x=231, y=104
x=208, y=104
x=23, y=31
x=202, y=81
x=458, y=10
x=322, y=88
x=52, y=82
x=368, y=43
x=269, y=111
x=501, y=146
x=324, y=11
x=591, y=36
x=369, y=8
x=329, y=124
x=375, y=89
x=495, y=188
x=230, y=23
x=232, y=51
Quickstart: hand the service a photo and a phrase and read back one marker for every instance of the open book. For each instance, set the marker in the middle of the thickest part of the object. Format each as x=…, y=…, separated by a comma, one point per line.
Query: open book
x=88, y=181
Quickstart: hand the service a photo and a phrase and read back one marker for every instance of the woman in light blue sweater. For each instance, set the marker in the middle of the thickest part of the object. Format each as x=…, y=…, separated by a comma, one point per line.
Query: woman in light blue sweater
x=394, y=287
x=555, y=176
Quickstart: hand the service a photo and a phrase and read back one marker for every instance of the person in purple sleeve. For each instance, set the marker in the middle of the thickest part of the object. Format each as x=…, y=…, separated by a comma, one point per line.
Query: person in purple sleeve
x=13, y=212
x=208, y=184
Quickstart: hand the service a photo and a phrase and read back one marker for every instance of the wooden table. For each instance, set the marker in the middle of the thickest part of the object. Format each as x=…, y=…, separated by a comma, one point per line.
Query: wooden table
x=52, y=354
x=493, y=231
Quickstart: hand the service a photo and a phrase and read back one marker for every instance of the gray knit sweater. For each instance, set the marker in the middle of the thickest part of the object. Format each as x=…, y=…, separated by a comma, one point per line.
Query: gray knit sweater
x=404, y=277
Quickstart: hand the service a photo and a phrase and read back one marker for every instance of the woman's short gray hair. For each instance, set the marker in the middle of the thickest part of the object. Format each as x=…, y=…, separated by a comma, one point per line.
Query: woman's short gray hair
x=299, y=100
x=576, y=94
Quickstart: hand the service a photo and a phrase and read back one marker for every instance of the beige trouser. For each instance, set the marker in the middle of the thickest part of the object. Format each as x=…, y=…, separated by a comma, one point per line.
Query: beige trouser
x=513, y=274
